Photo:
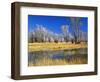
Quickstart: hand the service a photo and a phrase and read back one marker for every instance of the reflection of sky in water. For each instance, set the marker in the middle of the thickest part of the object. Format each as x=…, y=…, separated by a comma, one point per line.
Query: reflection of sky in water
x=67, y=55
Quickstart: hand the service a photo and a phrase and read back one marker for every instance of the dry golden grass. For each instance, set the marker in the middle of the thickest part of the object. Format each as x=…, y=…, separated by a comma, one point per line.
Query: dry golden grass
x=54, y=46
x=48, y=62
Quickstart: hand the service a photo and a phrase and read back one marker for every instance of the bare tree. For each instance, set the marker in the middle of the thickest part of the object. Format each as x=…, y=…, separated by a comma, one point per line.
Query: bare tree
x=83, y=36
x=75, y=26
x=30, y=37
x=65, y=32
x=40, y=33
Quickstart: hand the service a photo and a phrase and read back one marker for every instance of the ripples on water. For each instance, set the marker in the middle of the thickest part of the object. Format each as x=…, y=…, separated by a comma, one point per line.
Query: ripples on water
x=60, y=57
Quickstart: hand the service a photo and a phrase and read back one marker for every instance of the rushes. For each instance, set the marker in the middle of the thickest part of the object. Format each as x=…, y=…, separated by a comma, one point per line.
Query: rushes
x=47, y=62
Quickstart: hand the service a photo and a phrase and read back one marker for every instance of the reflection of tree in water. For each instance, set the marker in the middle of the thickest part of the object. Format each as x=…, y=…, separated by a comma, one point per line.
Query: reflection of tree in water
x=76, y=54
x=67, y=55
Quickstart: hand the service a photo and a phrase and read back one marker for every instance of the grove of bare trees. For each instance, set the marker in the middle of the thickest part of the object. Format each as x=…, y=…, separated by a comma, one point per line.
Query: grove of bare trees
x=41, y=34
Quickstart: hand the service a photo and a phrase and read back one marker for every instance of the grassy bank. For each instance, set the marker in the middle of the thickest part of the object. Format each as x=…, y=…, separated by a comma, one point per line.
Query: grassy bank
x=54, y=46
x=46, y=62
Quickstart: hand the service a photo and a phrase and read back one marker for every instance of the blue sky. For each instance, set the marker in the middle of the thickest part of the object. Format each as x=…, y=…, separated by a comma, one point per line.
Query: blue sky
x=54, y=23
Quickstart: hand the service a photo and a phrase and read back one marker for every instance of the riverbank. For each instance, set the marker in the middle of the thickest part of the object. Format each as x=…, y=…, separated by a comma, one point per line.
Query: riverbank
x=48, y=62
x=54, y=46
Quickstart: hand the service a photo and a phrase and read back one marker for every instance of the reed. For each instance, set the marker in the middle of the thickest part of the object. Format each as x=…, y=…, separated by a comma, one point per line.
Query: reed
x=48, y=62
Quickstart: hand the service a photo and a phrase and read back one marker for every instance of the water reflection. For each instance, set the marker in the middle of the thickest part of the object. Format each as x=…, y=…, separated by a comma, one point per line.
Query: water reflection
x=61, y=57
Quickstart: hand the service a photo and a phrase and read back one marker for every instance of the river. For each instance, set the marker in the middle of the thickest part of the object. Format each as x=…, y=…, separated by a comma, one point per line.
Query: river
x=59, y=57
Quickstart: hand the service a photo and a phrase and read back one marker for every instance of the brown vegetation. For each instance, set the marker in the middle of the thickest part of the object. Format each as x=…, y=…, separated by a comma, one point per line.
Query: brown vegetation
x=54, y=46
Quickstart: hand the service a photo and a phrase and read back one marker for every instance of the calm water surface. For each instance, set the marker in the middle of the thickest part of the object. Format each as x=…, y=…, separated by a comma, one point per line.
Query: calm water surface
x=60, y=57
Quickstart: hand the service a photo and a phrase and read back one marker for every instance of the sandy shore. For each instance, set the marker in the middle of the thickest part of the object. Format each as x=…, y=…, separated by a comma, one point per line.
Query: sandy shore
x=54, y=46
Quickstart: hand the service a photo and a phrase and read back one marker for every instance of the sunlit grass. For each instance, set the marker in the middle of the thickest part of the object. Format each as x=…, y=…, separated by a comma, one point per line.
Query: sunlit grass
x=48, y=62
x=54, y=46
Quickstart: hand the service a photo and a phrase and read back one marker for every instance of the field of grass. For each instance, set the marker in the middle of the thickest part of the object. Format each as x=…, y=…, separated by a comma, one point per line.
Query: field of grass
x=54, y=46
x=47, y=62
